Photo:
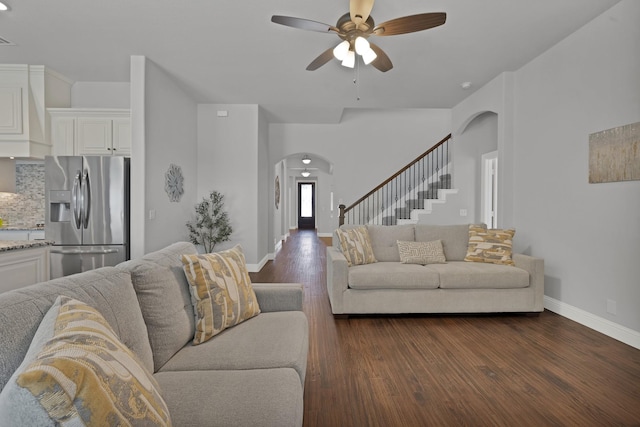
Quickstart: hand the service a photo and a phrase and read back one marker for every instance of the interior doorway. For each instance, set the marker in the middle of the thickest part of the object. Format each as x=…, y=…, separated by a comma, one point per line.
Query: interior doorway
x=307, y=205
x=489, y=197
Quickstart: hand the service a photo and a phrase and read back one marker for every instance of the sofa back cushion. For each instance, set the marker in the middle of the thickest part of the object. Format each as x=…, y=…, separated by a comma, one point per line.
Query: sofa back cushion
x=455, y=238
x=108, y=290
x=78, y=372
x=163, y=294
x=384, y=240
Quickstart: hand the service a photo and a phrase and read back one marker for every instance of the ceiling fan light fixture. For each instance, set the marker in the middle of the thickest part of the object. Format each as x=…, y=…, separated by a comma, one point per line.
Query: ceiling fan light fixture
x=340, y=51
x=3, y=7
x=362, y=45
x=350, y=60
x=369, y=56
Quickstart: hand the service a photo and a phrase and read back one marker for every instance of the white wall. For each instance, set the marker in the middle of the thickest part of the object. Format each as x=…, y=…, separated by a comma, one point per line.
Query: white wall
x=169, y=136
x=232, y=160
x=101, y=95
x=366, y=147
x=589, y=234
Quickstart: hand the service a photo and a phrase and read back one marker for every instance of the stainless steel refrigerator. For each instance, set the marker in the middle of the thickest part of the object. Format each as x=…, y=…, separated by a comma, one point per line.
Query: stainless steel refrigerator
x=87, y=212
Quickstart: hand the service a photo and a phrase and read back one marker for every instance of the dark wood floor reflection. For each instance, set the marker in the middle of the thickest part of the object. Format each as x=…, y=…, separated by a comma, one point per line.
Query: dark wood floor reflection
x=503, y=370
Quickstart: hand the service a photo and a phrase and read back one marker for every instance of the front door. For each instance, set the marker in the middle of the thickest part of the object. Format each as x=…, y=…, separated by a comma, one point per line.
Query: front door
x=306, y=205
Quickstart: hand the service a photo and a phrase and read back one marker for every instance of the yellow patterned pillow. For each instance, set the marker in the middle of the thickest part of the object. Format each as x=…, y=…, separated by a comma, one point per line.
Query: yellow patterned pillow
x=421, y=252
x=492, y=246
x=221, y=291
x=84, y=375
x=356, y=245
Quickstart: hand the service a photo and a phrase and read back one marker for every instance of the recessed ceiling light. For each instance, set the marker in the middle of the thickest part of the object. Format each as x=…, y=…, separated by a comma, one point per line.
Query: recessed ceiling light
x=465, y=85
x=3, y=7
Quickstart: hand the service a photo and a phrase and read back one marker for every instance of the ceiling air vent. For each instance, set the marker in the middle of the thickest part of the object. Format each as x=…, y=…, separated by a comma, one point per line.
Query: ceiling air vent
x=5, y=42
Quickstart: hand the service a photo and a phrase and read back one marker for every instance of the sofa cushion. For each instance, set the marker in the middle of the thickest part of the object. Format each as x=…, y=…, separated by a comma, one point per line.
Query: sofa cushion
x=392, y=275
x=384, y=240
x=270, y=340
x=166, y=307
x=255, y=397
x=165, y=301
x=455, y=238
x=75, y=351
x=422, y=253
x=107, y=289
x=221, y=291
x=355, y=244
x=474, y=275
x=492, y=246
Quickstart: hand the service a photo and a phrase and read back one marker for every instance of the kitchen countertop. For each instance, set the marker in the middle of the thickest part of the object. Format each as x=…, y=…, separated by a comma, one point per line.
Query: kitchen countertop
x=11, y=245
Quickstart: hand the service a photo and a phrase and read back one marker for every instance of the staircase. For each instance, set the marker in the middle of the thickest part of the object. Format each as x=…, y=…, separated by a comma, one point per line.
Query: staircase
x=413, y=191
x=425, y=203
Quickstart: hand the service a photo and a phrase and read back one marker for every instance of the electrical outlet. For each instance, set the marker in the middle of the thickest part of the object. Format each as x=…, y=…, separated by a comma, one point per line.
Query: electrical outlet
x=612, y=307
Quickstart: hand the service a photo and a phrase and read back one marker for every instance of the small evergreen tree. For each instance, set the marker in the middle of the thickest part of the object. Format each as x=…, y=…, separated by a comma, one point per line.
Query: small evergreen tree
x=211, y=225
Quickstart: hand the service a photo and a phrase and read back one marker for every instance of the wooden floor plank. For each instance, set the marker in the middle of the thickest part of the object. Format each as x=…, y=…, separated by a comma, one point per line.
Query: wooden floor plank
x=453, y=370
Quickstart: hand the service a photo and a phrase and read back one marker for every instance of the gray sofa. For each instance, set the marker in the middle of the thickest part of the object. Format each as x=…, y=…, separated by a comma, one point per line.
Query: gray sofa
x=249, y=375
x=459, y=286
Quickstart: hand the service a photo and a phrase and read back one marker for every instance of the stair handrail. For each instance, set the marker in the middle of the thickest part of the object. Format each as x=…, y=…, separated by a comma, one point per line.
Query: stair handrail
x=344, y=209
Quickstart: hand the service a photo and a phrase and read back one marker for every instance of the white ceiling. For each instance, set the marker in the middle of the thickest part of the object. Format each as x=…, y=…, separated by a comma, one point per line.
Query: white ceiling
x=228, y=51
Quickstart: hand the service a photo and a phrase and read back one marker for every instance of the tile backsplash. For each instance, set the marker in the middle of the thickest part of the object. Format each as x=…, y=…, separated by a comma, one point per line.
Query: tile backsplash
x=25, y=208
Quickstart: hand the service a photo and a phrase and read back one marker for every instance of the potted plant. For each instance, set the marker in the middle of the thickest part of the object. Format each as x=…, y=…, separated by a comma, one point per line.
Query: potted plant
x=211, y=225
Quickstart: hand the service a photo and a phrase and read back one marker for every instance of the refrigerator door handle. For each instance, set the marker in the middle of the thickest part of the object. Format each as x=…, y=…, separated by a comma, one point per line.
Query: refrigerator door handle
x=75, y=200
x=83, y=251
x=86, y=199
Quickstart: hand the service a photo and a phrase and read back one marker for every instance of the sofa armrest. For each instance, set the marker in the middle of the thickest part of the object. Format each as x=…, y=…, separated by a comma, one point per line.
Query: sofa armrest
x=279, y=296
x=337, y=278
x=535, y=267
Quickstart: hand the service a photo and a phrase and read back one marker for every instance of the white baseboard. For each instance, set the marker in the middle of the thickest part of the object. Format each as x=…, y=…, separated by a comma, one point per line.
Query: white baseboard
x=325, y=234
x=255, y=268
x=604, y=326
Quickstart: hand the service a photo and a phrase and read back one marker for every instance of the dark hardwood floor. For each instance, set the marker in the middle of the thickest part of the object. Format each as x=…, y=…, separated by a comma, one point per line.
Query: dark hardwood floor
x=453, y=370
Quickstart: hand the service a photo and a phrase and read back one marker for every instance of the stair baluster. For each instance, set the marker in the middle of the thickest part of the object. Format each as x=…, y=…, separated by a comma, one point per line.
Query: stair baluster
x=405, y=190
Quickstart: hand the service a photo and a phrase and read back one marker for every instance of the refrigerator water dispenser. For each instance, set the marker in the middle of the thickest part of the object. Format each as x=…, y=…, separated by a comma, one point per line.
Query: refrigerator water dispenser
x=59, y=206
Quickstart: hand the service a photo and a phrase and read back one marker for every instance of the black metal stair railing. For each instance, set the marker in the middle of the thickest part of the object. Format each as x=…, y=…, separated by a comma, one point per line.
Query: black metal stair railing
x=404, y=191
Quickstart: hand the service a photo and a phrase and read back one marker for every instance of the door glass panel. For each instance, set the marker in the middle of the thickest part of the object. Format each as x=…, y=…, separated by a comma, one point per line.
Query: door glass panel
x=306, y=200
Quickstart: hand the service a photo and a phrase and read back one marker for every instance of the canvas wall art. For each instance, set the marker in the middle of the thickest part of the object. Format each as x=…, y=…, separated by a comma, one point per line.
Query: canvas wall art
x=614, y=154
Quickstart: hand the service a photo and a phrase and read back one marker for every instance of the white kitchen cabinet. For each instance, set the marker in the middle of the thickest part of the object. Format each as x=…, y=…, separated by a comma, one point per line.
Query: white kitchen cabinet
x=23, y=267
x=25, y=92
x=90, y=132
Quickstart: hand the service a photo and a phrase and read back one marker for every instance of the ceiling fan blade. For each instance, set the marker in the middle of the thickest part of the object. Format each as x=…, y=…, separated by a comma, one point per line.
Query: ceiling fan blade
x=360, y=10
x=324, y=57
x=303, y=24
x=410, y=24
x=382, y=61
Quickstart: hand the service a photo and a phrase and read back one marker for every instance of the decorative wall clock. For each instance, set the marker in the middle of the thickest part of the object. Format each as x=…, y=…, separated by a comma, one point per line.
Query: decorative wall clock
x=277, y=192
x=173, y=183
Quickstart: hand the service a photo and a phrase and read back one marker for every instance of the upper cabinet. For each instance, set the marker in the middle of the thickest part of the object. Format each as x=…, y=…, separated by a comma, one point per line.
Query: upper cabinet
x=26, y=91
x=89, y=131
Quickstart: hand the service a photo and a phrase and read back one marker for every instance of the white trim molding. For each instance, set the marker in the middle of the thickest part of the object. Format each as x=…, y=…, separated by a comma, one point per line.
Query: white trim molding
x=255, y=268
x=607, y=327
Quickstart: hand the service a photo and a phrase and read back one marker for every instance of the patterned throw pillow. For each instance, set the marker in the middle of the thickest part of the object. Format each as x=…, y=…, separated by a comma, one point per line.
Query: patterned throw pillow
x=221, y=291
x=421, y=252
x=77, y=372
x=356, y=245
x=492, y=246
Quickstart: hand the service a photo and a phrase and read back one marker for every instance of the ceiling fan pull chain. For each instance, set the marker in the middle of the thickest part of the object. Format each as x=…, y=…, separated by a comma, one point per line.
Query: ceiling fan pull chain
x=356, y=78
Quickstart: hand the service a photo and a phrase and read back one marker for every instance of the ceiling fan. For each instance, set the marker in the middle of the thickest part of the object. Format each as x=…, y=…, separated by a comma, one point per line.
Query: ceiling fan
x=355, y=27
